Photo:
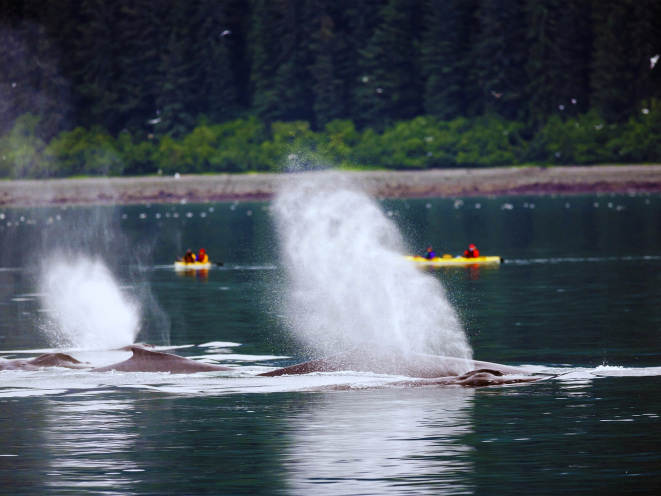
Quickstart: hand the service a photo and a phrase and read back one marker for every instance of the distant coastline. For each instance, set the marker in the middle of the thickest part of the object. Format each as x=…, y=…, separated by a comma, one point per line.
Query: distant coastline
x=383, y=184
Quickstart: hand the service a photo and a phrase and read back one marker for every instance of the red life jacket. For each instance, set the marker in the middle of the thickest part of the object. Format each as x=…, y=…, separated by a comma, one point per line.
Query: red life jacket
x=472, y=253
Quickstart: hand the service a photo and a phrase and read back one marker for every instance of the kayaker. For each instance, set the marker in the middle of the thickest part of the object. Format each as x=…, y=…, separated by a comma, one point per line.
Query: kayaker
x=472, y=252
x=189, y=256
x=430, y=253
x=202, y=257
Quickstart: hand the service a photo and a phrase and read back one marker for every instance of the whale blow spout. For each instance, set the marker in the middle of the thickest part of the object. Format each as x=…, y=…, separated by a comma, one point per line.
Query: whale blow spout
x=88, y=307
x=347, y=280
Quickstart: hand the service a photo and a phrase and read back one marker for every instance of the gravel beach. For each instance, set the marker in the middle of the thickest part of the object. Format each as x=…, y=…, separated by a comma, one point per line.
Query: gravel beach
x=384, y=184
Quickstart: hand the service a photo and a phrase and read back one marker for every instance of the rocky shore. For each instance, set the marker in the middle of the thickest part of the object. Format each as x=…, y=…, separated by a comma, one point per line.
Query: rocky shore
x=385, y=184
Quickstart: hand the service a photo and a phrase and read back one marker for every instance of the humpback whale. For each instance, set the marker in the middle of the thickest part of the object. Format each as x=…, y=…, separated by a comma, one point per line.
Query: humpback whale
x=422, y=370
x=47, y=360
x=426, y=370
x=144, y=360
x=389, y=360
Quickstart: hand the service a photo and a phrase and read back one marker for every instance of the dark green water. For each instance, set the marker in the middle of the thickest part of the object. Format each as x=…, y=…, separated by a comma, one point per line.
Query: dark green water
x=580, y=289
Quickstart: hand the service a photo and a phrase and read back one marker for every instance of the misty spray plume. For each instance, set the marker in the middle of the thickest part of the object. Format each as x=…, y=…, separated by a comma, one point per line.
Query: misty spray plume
x=93, y=284
x=87, y=307
x=92, y=251
x=347, y=281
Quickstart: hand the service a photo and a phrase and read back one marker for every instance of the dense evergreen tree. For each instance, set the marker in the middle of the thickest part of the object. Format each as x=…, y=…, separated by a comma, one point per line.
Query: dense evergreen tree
x=153, y=67
x=212, y=67
x=141, y=41
x=627, y=36
x=263, y=51
x=500, y=56
x=326, y=104
x=30, y=81
x=359, y=19
x=574, y=56
x=237, y=15
x=392, y=83
x=282, y=83
x=450, y=32
x=10, y=12
x=558, y=57
x=96, y=69
x=175, y=90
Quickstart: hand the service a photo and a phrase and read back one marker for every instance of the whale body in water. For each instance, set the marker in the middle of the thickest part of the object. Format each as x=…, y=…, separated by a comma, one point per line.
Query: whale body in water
x=428, y=370
x=389, y=360
x=47, y=360
x=144, y=360
x=424, y=370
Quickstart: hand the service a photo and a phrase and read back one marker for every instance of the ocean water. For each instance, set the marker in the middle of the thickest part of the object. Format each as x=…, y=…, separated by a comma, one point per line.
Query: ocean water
x=578, y=297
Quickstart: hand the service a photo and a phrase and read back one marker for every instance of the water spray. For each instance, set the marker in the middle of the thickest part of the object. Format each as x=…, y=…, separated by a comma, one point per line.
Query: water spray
x=347, y=279
x=87, y=308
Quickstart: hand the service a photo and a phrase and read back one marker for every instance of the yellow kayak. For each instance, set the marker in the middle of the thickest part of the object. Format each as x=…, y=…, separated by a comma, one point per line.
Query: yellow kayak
x=449, y=260
x=192, y=266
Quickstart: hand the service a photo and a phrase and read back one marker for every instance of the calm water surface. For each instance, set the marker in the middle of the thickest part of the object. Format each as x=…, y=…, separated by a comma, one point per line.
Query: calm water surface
x=579, y=295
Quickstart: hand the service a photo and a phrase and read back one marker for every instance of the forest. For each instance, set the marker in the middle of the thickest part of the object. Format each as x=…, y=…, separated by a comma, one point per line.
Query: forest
x=131, y=87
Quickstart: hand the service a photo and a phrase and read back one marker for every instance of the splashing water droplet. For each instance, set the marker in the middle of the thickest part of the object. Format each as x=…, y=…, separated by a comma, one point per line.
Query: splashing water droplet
x=347, y=280
x=88, y=308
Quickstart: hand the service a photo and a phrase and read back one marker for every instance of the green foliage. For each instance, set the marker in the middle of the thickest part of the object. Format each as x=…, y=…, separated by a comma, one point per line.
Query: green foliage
x=22, y=151
x=425, y=142
x=638, y=139
x=491, y=141
x=229, y=147
x=291, y=144
x=295, y=145
x=82, y=152
x=131, y=87
x=137, y=156
x=337, y=142
x=244, y=145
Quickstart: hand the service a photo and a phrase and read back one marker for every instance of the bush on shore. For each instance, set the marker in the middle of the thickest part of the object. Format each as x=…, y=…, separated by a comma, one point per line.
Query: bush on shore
x=247, y=145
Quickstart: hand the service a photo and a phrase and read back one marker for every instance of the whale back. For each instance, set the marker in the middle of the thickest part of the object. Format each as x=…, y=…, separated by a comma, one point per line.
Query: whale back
x=47, y=360
x=58, y=360
x=154, y=361
x=388, y=360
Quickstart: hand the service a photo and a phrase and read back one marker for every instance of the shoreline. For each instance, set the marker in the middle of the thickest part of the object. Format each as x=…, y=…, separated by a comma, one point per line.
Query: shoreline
x=382, y=184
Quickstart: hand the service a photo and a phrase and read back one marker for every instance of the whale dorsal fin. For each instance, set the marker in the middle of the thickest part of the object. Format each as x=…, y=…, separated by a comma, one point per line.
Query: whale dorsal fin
x=139, y=352
x=142, y=354
x=50, y=359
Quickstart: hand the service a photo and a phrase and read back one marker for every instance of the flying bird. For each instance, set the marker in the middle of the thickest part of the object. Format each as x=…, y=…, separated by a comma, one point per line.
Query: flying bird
x=654, y=60
x=497, y=95
x=227, y=32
